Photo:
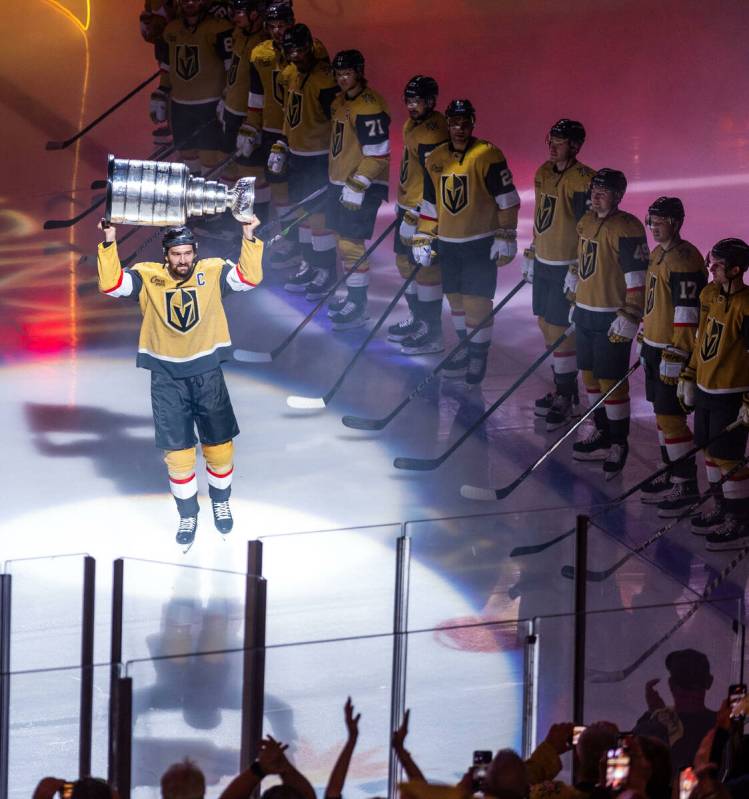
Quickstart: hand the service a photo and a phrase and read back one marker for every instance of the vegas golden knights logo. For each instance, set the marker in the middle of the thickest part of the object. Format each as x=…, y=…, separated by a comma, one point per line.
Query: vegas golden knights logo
x=294, y=109
x=232, y=77
x=454, y=192
x=337, y=145
x=188, y=61
x=650, y=299
x=588, y=258
x=711, y=339
x=277, y=87
x=545, y=212
x=182, y=310
x=404, y=166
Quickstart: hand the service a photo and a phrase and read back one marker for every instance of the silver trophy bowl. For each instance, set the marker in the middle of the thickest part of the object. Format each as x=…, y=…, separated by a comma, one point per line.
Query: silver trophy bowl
x=165, y=194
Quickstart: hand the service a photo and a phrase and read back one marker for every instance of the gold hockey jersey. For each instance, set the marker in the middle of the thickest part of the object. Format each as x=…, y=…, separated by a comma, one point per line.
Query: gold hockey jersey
x=265, y=104
x=238, y=77
x=307, y=108
x=720, y=356
x=612, y=261
x=184, y=330
x=674, y=280
x=419, y=139
x=196, y=59
x=360, y=138
x=467, y=195
x=561, y=201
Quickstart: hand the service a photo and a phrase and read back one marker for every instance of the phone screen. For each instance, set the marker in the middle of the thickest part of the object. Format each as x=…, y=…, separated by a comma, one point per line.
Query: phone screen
x=66, y=792
x=687, y=782
x=736, y=696
x=617, y=769
x=576, y=733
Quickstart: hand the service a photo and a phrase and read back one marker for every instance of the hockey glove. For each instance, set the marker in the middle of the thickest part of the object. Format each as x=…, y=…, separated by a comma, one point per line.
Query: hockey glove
x=352, y=194
x=623, y=329
x=279, y=155
x=529, y=257
x=686, y=389
x=673, y=361
x=743, y=417
x=158, y=107
x=422, y=250
x=407, y=229
x=221, y=114
x=248, y=140
x=505, y=246
x=570, y=284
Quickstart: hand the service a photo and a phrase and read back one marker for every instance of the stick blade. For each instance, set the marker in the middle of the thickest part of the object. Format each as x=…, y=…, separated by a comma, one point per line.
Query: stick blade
x=358, y=423
x=476, y=492
x=568, y=572
x=250, y=356
x=416, y=464
x=600, y=676
x=98, y=184
x=56, y=224
x=501, y=493
x=55, y=145
x=305, y=403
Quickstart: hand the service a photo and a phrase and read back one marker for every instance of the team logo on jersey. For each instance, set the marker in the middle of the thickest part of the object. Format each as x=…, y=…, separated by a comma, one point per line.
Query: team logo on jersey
x=650, y=299
x=454, y=189
x=404, y=166
x=545, y=212
x=711, y=340
x=232, y=77
x=294, y=109
x=187, y=58
x=182, y=310
x=277, y=87
x=337, y=144
x=588, y=258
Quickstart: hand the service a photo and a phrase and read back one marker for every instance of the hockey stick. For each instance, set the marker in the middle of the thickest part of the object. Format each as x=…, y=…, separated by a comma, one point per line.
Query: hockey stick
x=308, y=403
x=252, y=356
x=600, y=676
x=61, y=145
x=291, y=209
x=427, y=464
x=360, y=423
x=285, y=232
x=598, y=576
x=474, y=492
x=536, y=548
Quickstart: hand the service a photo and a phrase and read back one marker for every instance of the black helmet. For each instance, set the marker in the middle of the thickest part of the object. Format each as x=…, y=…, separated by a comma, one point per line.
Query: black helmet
x=611, y=180
x=176, y=236
x=668, y=207
x=735, y=252
x=461, y=108
x=421, y=87
x=569, y=129
x=297, y=37
x=280, y=12
x=349, y=59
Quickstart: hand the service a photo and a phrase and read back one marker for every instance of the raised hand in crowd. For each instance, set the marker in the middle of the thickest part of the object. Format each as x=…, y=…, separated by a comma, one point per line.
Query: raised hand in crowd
x=337, y=778
x=653, y=699
x=413, y=772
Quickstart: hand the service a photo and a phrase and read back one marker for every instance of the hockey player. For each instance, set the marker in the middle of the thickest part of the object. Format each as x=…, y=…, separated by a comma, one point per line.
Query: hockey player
x=153, y=19
x=359, y=161
x=676, y=275
x=470, y=210
x=195, y=57
x=607, y=286
x=424, y=129
x=232, y=109
x=716, y=385
x=562, y=195
x=302, y=153
x=184, y=338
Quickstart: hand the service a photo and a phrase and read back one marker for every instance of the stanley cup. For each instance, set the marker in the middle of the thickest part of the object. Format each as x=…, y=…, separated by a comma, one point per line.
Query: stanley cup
x=165, y=194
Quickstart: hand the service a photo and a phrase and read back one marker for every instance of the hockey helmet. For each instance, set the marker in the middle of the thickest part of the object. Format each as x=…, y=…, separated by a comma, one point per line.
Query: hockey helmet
x=349, y=59
x=610, y=180
x=280, y=12
x=297, y=37
x=569, y=129
x=421, y=87
x=735, y=252
x=177, y=236
x=461, y=108
x=669, y=208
